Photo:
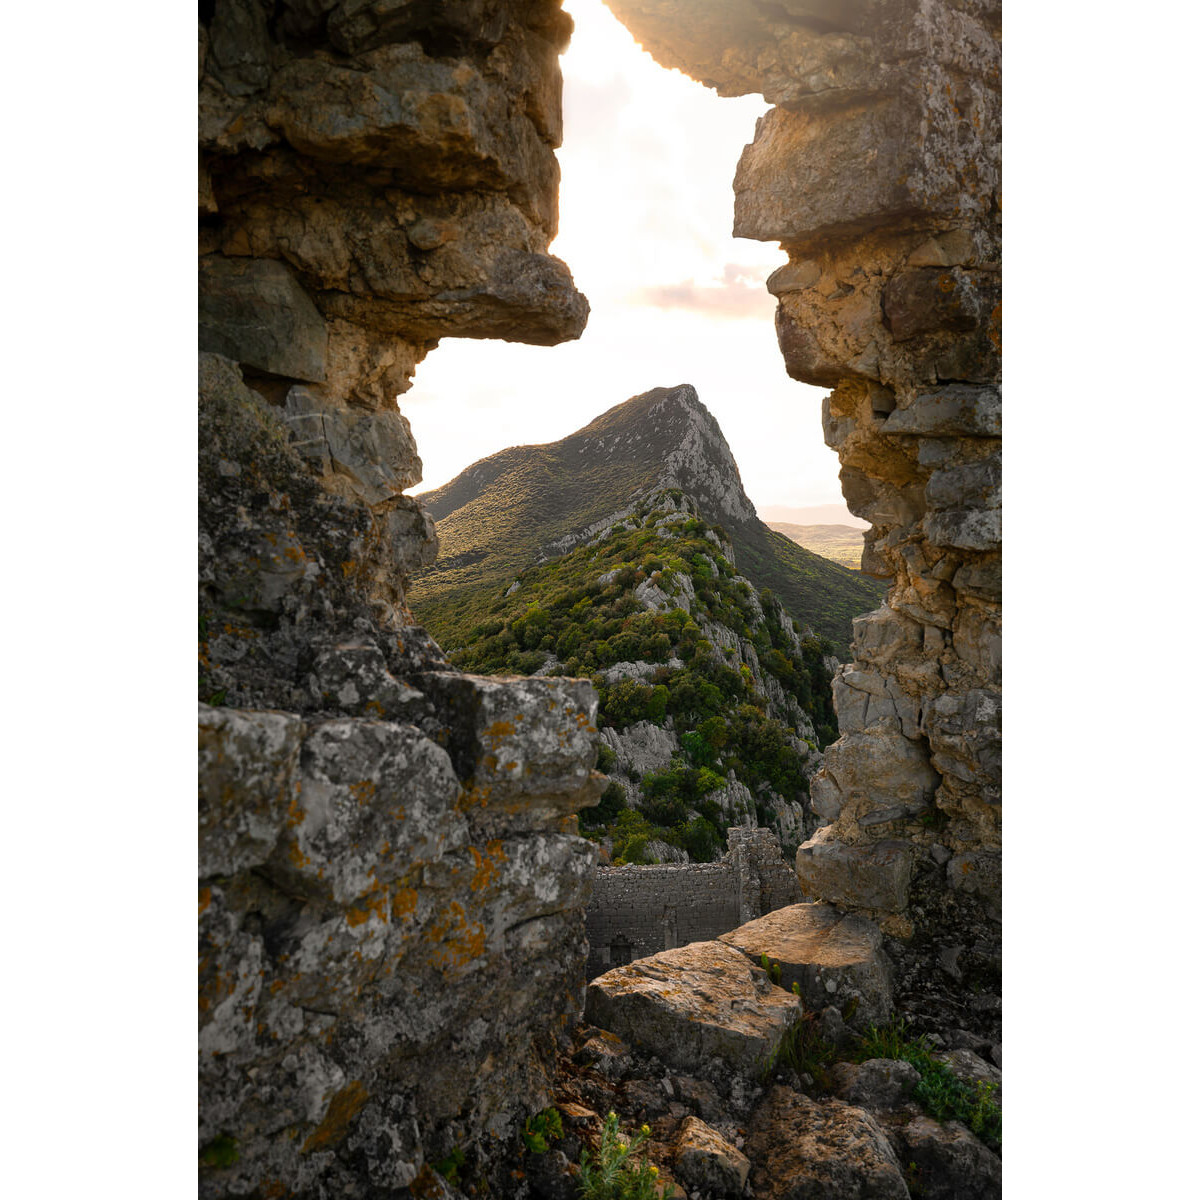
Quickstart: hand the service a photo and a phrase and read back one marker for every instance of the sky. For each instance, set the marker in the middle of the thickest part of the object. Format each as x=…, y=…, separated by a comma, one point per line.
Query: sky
x=646, y=209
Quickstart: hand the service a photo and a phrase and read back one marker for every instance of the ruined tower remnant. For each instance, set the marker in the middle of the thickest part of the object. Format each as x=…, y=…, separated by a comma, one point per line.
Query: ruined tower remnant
x=878, y=172
x=392, y=893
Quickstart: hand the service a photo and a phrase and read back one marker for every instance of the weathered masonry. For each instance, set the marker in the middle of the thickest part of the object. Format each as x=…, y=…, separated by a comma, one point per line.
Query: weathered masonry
x=636, y=911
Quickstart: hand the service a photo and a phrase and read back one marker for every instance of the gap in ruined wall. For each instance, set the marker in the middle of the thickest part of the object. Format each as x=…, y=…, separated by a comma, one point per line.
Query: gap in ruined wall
x=648, y=160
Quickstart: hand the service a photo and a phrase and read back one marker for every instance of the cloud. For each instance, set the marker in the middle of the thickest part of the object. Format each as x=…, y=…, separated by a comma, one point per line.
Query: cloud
x=741, y=294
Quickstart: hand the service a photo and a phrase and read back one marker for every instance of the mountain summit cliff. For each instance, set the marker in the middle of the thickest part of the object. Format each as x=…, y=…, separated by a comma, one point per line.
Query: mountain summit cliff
x=530, y=503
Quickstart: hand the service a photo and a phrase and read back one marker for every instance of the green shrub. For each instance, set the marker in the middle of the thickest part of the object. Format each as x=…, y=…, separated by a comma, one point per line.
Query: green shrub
x=612, y=803
x=940, y=1092
x=540, y=1129
x=615, y=1173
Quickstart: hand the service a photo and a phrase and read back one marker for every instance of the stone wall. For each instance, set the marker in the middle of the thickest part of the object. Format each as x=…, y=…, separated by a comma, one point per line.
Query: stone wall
x=638, y=911
x=878, y=172
x=391, y=888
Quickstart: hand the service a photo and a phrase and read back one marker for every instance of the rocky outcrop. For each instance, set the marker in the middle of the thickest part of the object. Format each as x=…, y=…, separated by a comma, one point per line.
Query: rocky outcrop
x=374, y=177
x=878, y=172
x=804, y=1148
x=379, y=950
x=392, y=893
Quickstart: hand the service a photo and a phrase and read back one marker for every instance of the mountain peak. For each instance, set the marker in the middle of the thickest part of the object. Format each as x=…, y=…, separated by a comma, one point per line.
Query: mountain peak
x=670, y=430
x=660, y=449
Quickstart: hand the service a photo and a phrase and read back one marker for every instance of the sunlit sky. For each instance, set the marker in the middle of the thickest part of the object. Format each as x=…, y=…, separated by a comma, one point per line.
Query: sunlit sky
x=646, y=207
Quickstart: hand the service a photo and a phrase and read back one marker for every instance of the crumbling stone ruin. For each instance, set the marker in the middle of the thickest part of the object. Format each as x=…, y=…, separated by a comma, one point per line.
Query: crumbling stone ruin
x=391, y=890
x=638, y=911
x=878, y=171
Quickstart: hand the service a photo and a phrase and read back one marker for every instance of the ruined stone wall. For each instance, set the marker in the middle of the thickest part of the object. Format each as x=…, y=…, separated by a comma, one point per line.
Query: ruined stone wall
x=637, y=911
x=647, y=909
x=878, y=172
x=391, y=888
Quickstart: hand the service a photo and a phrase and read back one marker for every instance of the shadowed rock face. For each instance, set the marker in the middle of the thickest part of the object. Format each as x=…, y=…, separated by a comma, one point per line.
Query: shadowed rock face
x=878, y=171
x=392, y=894
x=374, y=177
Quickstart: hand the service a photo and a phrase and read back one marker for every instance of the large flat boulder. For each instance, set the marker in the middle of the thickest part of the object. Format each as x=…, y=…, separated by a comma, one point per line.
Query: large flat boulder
x=833, y=957
x=694, y=1003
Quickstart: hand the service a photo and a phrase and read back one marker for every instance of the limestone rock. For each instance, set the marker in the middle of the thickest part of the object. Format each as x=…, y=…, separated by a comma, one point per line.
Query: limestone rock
x=704, y=1159
x=956, y=410
x=373, y=451
x=802, y=1149
x=950, y=1161
x=247, y=767
x=873, y=775
x=971, y=1068
x=877, y=1084
x=521, y=744
x=641, y=747
x=873, y=876
x=253, y=310
x=807, y=174
x=379, y=955
x=373, y=800
x=834, y=958
x=401, y=164
x=694, y=1003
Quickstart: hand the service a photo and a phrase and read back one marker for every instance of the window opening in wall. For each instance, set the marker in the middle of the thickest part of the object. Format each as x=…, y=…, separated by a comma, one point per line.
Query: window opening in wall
x=620, y=951
x=646, y=209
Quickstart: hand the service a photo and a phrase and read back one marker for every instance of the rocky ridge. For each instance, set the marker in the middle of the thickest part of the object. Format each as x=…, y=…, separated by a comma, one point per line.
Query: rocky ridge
x=530, y=504
x=713, y=700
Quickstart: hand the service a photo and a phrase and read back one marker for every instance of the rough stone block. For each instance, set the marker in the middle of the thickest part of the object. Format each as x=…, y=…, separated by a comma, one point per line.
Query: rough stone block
x=375, y=800
x=808, y=173
x=253, y=311
x=695, y=1003
x=704, y=1159
x=248, y=762
x=833, y=957
x=878, y=1083
x=950, y=1162
x=878, y=771
x=964, y=735
x=974, y=485
x=874, y=876
x=956, y=410
x=801, y=1148
x=931, y=301
x=521, y=745
x=373, y=450
x=964, y=529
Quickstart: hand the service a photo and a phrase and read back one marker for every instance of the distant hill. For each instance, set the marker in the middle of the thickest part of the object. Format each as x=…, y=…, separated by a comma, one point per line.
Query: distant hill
x=812, y=514
x=529, y=504
x=840, y=543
